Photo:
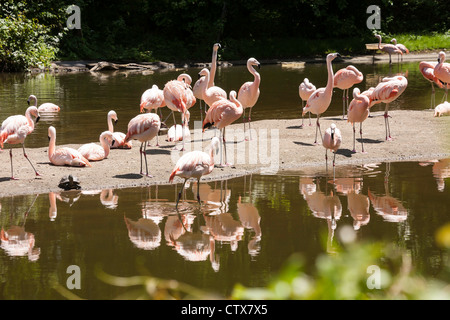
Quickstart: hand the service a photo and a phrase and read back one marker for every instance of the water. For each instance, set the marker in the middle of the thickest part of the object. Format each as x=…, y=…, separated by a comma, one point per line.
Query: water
x=86, y=98
x=249, y=226
x=243, y=232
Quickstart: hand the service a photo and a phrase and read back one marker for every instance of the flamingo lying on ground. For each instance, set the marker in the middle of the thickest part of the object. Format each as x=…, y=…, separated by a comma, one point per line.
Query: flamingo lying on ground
x=389, y=48
x=344, y=79
x=144, y=127
x=64, y=155
x=320, y=100
x=305, y=89
x=118, y=137
x=249, y=92
x=94, y=152
x=221, y=114
x=195, y=164
x=15, y=129
x=358, y=111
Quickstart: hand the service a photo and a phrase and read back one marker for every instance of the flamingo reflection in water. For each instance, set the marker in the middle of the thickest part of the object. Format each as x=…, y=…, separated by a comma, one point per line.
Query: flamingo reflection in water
x=441, y=171
x=17, y=242
x=390, y=208
x=144, y=233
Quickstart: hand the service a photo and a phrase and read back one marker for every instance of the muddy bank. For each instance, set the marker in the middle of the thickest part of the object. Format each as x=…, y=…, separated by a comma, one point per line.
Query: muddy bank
x=276, y=145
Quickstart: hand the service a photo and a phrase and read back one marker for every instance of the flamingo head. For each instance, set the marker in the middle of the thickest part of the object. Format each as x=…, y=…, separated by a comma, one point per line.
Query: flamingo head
x=441, y=57
x=254, y=62
x=215, y=143
x=32, y=98
x=216, y=46
x=113, y=115
x=333, y=129
x=34, y=112
x=394, y=41
x=332, y=56
x=204, y=72
x=356, y=92
x=184, y=77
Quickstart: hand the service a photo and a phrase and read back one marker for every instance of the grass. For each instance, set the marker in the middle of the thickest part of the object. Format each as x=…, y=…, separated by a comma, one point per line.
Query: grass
x=414, y=42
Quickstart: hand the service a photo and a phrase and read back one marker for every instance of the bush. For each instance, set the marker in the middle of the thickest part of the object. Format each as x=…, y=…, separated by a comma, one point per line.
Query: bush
x=25, y=43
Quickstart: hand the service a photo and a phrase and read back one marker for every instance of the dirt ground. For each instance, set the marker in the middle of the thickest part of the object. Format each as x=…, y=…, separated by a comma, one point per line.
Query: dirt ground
x=275, y=145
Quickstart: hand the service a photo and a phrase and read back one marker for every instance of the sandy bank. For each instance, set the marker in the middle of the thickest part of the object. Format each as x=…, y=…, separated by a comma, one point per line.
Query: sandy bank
x=276, y=145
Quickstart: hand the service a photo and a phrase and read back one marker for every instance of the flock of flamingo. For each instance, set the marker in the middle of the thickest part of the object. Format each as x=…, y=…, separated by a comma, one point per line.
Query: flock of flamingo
x=179, y=96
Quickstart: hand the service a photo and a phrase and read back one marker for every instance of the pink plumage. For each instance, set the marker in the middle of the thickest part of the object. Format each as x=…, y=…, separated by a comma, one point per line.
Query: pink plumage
x=344, y=79
x=358, y=111
x=64, y=155
x=152, y=99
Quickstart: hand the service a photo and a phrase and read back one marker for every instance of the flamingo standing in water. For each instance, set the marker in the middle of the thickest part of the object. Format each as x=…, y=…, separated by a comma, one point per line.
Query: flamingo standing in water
x=45, y=107
x=320, y=100
x=358, y=111
x=344, y=79
x=427, y=70
x=332, y=140
x=118, y=137
x=442, y=72
x=389, y=48
x=305, y=89
x=64, y=155
x=221, y=114
x=95, y=152
x=387, y=91
x=201, y=82
x=249, y=92
x=143, y=127
x=402, y=47
x=195, y=164
x=15, y=129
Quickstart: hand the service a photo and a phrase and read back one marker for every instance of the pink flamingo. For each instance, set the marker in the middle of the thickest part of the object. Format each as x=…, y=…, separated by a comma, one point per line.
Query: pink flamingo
x=387, y=91
x=427, y=70
x=64, y=156
x=45, y=107
x=249, y=92
x=320, y=100
x=178, y=98
x=402, y=47
x=389, y=48
x=332, y=140
x=152, y=99
x=442, y=72
x=305, y=89
x=195, y=164
x=175, y=132
x=358, y=111
x=118, y=137
x=201, y=82
x=344, y=79
x=221, y=114
x=143, y=127
x=15, y=129
x=95, y=152
x=213, y=93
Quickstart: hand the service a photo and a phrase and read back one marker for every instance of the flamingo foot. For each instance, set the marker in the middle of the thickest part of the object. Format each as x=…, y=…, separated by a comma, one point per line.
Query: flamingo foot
x=354, y=150
x=13, y=178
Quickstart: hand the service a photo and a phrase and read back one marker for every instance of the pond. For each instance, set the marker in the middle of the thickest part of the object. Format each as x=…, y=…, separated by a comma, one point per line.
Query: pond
x=244, y=229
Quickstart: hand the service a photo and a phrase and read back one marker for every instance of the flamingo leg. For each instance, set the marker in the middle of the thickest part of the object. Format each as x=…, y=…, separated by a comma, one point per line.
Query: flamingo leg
x=386, y=121
x=198, y=190
x=433, y=101
x=354, y=138
x=183, y=121
x=26, y=157
x=146, y=166
x=201, y=112
x=249, y=121
x=140, y=155
x=243, y=120
x=318, y=127
x=12, y=171
x=326, y=159
x=343, y=104
x=301, y=126
x=179, y=194
x=360, y=132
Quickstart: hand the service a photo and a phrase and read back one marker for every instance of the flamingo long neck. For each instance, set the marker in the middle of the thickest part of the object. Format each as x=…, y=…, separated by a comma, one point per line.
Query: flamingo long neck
x=110, y=124
x=34, y=102
x=51, y=145
x=105, y=145
x=207, y=77
x=29, y=119
x=213, y=68
x=379, y=42
x=329, y=87
x=257, y=77
x=236, y=102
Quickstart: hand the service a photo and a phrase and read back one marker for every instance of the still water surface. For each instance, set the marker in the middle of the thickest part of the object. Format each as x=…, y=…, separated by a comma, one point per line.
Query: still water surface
x=243, y=232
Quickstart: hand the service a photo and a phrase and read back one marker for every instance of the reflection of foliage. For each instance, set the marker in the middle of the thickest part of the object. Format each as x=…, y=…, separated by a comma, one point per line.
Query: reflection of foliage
x=337, y=277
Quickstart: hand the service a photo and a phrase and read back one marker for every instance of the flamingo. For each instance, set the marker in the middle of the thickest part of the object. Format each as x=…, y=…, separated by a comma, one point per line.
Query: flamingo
x=15, y=129
x=442, y=72
x=95, y=152
x=344, y=79
x=64, y=155
x=358, y=111
x=152, y=98
x=178, y=98
x=45, y=107
x=402, y=47
x=320, y=100
x=118, y=137
x=427, y=70
x=305, y=89
x=442, y=109
x=175, y=132
x=213, y=93
x=389, y=48
x=221, y=114
x=143, y=128
x=249, y=92
x=195, y=164
x=201, y=82
x=389, y=89
x=332, y=140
